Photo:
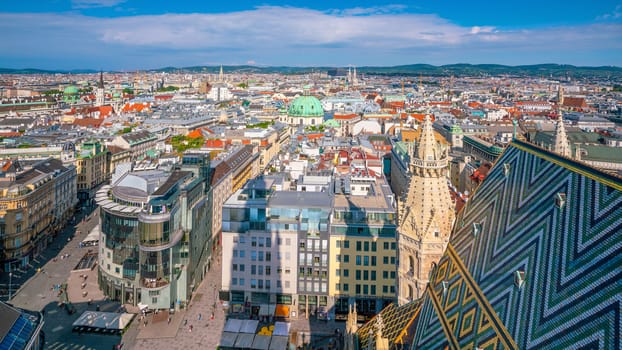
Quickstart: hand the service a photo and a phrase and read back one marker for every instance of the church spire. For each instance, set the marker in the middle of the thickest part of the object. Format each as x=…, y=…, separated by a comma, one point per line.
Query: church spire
x=99, y=92
x=426, y=145
x=101, y=80
x=221, y=75
x=562, y=146
x=426, y=214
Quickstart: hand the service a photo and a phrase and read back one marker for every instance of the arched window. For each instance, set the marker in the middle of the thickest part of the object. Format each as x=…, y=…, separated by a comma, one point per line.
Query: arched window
x=411, y=293
x=411, y=264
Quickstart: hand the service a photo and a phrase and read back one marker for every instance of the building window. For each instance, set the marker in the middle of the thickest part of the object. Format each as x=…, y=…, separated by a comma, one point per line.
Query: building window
x=154, y=300
x=366, y=260
x=235, y=267
x=373, y=260
x=358, y=246
x=346, y=287
x=358, y=260
x=366, y=246
x=386, y=245
x=358, y=274
x=346, y=244
x=346, y=273
x=385, y=260
x=373, y=246
x=241, y=281
x=346, y=258
x=357, y=289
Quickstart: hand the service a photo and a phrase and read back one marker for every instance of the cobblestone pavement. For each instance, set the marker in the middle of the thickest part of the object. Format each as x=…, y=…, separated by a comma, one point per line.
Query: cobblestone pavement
x=55, y=267
x=177, y=335
x=206, y=332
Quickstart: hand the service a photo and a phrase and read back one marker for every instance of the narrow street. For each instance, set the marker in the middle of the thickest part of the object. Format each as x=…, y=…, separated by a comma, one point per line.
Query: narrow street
x=188, y=329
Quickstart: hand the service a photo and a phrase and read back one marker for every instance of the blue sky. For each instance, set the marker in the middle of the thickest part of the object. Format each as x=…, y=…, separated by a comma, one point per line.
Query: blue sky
x=137, y=34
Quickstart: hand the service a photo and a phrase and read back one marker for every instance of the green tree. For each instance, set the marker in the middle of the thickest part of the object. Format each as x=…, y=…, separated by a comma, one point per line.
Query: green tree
x=169, y=88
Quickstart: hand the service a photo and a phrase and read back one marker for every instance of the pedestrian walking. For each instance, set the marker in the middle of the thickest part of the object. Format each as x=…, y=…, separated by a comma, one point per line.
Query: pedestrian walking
x=190, y=329
x=169, y=320
x=200, y=316
x=185, y=322
x=212, y=316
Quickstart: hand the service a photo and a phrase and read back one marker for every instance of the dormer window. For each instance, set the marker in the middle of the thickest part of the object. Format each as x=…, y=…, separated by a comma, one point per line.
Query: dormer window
x=477, y=229
x=560, y=200
x=519, y=278
x=506, y=169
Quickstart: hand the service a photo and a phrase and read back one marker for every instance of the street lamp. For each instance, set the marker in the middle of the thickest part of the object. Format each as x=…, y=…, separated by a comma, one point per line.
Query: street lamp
x=10, y=284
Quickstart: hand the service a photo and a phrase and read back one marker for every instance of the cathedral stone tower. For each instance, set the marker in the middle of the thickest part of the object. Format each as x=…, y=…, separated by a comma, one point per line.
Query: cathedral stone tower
x=426, y=215
x=561, y=147
x=99, y=93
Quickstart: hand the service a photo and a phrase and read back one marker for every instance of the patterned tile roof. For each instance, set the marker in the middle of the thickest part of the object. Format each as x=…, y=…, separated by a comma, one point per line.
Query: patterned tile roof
x=534, y=261
x=396, y=322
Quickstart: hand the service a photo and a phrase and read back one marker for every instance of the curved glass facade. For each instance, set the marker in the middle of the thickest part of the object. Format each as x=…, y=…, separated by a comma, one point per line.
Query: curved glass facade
x=153, y=234
x=155, y=268
x=121, y=236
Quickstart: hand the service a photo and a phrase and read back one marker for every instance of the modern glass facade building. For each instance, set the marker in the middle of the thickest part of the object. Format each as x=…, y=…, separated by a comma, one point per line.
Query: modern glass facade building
x=154, y=247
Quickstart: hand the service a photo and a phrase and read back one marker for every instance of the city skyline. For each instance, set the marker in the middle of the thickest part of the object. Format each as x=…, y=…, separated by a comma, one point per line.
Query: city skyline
x=128, y=35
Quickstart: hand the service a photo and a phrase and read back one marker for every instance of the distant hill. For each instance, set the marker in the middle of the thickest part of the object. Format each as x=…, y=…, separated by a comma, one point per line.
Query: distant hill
x=43, y=71
x=459, y=69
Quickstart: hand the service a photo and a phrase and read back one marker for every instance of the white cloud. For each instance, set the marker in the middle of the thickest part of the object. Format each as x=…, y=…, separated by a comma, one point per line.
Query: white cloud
x=83, y=4
x=615, y=14
x=287, y=35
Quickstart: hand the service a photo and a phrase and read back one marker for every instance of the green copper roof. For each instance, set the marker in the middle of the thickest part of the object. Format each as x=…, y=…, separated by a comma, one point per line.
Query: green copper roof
x=332, y=123
x=305, y=106
x=455, y=129
x=71, y=90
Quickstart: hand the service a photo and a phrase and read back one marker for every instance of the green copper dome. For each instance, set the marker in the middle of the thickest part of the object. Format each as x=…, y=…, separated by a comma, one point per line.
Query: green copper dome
x=71, y=90
x=305, y=106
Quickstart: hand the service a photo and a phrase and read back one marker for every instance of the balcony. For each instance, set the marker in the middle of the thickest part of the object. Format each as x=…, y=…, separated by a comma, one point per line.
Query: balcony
x=153, y=283
x=156, y=247
x=430, y=164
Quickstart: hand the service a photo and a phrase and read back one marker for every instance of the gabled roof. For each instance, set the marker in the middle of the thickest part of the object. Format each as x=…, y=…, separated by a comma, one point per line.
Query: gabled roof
x=397, y=322
x=533, y=261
